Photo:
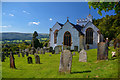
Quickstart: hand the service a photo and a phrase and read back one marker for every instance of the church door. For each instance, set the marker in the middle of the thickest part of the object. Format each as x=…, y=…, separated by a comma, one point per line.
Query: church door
x=67, y=39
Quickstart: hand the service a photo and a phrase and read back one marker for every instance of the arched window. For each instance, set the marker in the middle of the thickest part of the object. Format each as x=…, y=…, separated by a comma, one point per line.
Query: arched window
x=89, y=36
x=67, y=39
x=55, y=36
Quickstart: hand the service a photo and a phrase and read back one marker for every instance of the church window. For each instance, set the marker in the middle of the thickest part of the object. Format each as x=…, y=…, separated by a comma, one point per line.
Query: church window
x=89, y=36
x=55, y=36
x=67, y=39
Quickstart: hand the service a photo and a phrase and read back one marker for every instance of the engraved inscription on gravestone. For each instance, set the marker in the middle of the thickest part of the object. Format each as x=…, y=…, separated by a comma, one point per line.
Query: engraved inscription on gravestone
x=83, y=56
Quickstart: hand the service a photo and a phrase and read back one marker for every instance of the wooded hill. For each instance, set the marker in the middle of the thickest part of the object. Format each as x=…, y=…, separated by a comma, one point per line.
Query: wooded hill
x=21, y=36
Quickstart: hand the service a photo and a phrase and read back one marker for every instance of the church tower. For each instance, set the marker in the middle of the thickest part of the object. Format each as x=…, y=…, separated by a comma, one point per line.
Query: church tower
x=90, y=17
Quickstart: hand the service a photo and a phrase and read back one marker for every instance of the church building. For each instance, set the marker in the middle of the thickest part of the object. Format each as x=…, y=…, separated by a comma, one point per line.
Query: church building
x=82, y=35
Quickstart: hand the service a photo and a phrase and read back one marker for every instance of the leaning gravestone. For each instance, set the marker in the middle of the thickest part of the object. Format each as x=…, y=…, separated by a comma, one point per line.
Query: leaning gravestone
x=56, y=50
x=102, y=51
x=37, y=59
x=65, y=62
x=29, y=60
x=12, y=60
x=83, y=56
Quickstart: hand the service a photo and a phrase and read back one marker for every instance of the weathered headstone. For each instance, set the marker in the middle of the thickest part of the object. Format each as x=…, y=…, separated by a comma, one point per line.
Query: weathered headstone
x=30, y=60
x=37, y=50
x=56, y=50
x=3, y=57
x=12, y=60
x=83, y=56
x=37, y=59
x=102, y=51
x=65, y=62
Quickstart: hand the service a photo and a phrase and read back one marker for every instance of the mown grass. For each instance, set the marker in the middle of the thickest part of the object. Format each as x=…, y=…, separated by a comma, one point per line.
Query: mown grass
x=49, y=67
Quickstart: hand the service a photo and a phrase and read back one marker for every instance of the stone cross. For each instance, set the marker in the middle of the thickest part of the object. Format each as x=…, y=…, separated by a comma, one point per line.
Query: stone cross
x=65, y=62
x=83, y=56
x=37, y=59
x=12, y=60
x=30, y=60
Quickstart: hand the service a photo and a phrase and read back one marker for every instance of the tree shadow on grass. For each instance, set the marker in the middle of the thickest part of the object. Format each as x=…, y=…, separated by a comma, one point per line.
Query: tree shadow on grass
x=81, y=72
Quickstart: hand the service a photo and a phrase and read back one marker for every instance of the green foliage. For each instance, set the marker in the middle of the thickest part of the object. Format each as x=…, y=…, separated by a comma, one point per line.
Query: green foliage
x=49, y=67
x=106, y=6
x=109, y=26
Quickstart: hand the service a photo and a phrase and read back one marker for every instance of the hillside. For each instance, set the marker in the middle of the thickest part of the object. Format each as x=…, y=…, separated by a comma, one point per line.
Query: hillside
x=21, y=36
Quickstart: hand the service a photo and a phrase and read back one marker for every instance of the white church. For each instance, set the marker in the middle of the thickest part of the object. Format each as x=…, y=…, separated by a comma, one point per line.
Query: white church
x=82, y=35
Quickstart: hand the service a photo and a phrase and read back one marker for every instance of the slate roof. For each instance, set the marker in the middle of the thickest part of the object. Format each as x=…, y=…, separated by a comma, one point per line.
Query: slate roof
x=60, y=24
x=77, y=27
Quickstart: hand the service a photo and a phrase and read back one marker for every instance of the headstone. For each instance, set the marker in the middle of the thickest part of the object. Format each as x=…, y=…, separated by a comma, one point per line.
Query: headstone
x=53, y=51
x=12, y=60
x=56, y=50
x=102, y=51
x=29, y=60
x=37, y=50
x=3, y=57
x=18, y=54
x=74, y=53
x=33, y=50
x=37, y=59
x=43, y=51
x=50, y=49
x=23, y=53
x=27, y=54
x=83, y=56
x=65, y=62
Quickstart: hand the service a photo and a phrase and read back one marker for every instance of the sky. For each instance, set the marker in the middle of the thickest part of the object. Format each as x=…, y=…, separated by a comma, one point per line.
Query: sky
x=27, y=17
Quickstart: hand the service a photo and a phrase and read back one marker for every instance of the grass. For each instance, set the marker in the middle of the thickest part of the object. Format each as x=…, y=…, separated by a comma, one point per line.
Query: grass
x=49, y=67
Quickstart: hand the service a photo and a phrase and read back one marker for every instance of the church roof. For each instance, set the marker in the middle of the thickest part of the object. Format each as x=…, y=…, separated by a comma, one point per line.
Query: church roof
x=77, y=27
x=60, y=24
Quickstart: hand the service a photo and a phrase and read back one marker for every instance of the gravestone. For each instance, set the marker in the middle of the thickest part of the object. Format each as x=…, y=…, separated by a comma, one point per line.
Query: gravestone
x=27, y=54
x=30, y=60
x=12, y=60
x=102, y=51
x=43, y=51
x=23, y=53
x=18, y=54
x=50, y=49
x=33, y=50
x=37, y=50
x=83, y=56
x=3, y=57
x=74, y=53
x=53, y=51
x=56, y=50
x=65, y=62
x=37, y=59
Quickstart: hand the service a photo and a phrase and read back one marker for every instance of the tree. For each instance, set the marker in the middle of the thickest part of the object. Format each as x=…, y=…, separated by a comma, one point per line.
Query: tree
x=35, y=41
x=106, y=6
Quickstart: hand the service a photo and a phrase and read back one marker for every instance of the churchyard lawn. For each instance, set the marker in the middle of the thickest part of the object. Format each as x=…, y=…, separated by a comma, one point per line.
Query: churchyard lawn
x=49, y=67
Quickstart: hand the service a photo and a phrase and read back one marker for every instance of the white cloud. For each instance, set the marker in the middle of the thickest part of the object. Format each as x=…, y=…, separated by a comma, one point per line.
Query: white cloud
x=35, y=23
x=25, y=12
x=11, y=14
x=5, y=26
x=50, y=19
